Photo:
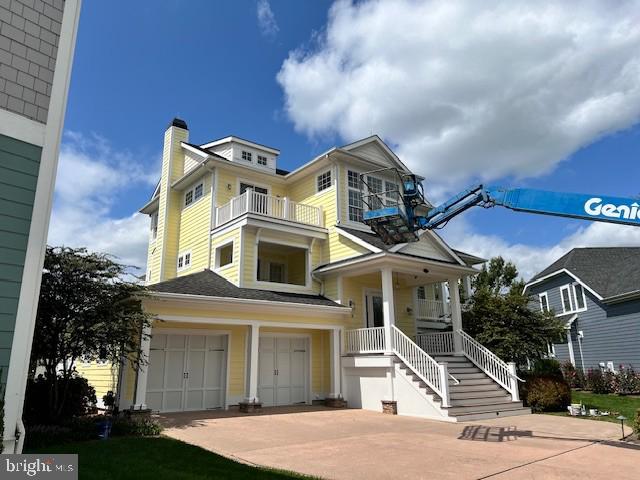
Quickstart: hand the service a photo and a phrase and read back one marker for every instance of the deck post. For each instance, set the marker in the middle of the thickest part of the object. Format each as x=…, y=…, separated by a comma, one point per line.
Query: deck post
x=388, y=308
x=513, y=382
x=140, y=402
x=456, y=314
x=444, y=384
x=336, y=385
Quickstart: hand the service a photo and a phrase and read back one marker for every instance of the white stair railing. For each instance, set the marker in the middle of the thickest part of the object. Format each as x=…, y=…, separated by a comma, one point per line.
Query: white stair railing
x=487, y=361
x=436, y=343
x=424, y=366
x=365, y=340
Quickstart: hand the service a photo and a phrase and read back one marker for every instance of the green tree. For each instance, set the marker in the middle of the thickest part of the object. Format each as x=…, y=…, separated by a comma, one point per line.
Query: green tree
x=88, y=310
x=499, y=315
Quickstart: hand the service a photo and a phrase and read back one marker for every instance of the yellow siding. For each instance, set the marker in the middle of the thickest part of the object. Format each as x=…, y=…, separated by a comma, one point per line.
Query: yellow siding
x=194, y=230
x=250, y=258
x=232, y=271
x=229, y=184
x=103, y=377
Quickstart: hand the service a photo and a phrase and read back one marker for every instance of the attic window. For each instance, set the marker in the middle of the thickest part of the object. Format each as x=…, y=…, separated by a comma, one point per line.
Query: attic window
x=324, y=181
x=184, y=261
x=262, y=160
x=193, y=194
x=246, y=156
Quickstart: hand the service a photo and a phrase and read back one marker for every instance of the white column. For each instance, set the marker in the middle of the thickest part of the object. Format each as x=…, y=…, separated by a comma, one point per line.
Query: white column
x=336, y=385
x=443, y=298
x=572, y=357
x=143, y=370
x=252, y=364
x=388, y=307
x=456, y=314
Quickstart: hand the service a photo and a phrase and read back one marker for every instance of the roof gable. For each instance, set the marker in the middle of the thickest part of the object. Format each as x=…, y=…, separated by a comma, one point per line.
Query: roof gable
x=375, y=149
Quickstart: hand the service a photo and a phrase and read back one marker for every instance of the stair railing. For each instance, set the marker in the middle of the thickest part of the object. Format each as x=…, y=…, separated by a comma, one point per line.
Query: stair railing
x=434, y=374
x=502, y=372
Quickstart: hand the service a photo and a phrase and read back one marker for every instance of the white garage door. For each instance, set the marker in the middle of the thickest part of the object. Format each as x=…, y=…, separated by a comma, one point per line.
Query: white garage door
x=283, y=370
x=186, y=372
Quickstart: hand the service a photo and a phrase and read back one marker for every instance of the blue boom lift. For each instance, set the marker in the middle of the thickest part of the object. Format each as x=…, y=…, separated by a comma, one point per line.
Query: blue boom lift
x=399, y=210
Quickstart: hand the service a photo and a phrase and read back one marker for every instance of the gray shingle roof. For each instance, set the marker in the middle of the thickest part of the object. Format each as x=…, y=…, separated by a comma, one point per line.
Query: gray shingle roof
x=608, y=271
x=208, y=283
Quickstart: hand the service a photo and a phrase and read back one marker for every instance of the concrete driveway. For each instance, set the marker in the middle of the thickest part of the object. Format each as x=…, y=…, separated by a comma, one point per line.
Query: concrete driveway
x=358, y=444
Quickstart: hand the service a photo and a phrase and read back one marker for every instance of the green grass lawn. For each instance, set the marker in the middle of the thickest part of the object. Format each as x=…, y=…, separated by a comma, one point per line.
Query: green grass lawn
x=157, y=458
x=626, y=406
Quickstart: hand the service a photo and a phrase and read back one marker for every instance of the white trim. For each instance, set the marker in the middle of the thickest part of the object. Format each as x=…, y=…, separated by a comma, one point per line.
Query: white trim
x=378, y=141
x=571, y=289
x=367, y=305
x=254, y=321
x=358, y=240
x=219, y=247
x=241, y=141
x=22, y=128
x=192, y=189
x=36, y=245
x=212, y=218
x=546, y=297
x=240, y=180
x=321, y=173
x=563, y=270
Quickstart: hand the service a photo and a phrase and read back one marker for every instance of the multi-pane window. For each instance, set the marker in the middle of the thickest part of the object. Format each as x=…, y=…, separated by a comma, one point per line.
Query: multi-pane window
x=544, y=302
x=573, y=298
x=184, y=260
x=246, y=156
x=188, y=198
x=324, y=181
x=198, y=191
x=392, y=192
x=262, y=160
x=375, y=189
x=193, y=194
x=355, y=197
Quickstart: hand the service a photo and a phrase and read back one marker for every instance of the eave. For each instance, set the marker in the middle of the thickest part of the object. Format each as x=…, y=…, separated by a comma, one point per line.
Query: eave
x=151, y=206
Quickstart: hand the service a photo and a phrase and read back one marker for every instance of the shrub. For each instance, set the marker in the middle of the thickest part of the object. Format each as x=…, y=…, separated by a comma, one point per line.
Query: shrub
x=546, y=394
x=547, y=368
x=626, y=381
x=575, y=378
x=138, y=427
x=636, y=423
x=81, y=400
x=75, y=430
x=598, y=382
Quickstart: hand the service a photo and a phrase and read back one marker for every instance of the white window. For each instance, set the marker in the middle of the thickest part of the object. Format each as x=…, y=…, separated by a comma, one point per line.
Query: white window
x=375, y=188
x=392, y=193
x=544, y=302
x=262, y=160
x=184, y=260
x=154, y=226
x=246, y=155
x=573, y=298
x=193, y=194
x=224, y=255
x=355, y=197
x=324, y=181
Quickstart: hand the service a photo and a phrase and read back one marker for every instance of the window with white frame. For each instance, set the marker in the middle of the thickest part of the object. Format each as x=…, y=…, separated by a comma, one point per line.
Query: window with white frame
x=154, y=225
x=573, y=298
x=544, y=302
x=392, y=193
x=262, y=160
x=323, y=181
x=355, y=197
x=224, y=255
x=375, y=187
x=247, y=155
x=193, y=194
x=184, y=260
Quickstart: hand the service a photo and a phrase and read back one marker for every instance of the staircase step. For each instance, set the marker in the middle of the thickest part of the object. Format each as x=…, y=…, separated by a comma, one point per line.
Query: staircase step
x=471, y=376
x=463, y=369
x=472, y=381
x=452, y=359
x=473, y=417
x=458, y=395
x=482, y=401
x=498, y=407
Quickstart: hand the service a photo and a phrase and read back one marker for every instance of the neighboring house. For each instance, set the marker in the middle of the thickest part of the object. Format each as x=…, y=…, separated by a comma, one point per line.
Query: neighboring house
x=37, y=39
x=268, y=290
x=596, y=292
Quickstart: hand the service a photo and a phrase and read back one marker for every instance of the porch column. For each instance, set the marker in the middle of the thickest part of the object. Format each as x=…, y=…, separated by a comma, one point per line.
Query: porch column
x=456, y=314
x=140, y=402
x=336, y=386
x=443, y=298
x=252, y=365
x=388, y=307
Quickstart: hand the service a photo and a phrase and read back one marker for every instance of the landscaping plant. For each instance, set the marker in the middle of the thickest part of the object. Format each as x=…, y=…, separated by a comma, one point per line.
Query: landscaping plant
x=636, y=423
x=88, y=310
x=598, y=381
x=625, y=381
x=545, y=388
x=500, y=318
x=575, y=378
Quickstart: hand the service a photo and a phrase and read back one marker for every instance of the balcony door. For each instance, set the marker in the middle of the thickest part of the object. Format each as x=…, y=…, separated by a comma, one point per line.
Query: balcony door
x=374, y=308
x=258, y=203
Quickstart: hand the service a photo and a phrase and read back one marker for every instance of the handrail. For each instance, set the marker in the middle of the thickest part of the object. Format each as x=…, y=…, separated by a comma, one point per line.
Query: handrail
x=440, y=342
x=365, y=340
x=496, y=368
x=434, y=374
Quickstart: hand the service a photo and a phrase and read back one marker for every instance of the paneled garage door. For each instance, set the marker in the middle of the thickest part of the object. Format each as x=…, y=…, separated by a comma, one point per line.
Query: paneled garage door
x=186, y=372
x=283, y=370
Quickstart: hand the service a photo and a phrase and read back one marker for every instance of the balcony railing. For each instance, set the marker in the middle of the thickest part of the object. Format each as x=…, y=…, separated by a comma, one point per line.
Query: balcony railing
x=430, y=309
x=271, y=206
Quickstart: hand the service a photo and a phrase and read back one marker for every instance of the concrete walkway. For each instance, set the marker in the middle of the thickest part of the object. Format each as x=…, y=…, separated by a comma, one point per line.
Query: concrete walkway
x=357, y=444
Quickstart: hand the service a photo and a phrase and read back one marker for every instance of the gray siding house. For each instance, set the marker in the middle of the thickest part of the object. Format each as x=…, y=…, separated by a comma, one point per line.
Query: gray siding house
x=596, y=292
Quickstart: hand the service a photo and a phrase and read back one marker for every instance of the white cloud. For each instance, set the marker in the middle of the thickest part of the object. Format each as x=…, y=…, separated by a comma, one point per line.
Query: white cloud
x=266, y=19
x=92, y=179
x=532, y=259
x=470, y=89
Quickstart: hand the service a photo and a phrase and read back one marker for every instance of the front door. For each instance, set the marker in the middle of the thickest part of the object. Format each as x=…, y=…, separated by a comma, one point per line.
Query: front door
x=283, y=370
x=374, y=309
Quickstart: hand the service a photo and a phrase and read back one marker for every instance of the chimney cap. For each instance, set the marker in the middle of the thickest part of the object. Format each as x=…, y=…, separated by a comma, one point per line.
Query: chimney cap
x=178, y=122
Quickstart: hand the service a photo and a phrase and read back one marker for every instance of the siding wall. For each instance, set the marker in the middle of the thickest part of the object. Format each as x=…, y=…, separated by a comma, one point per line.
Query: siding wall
x=611, y=332
x=29, y=34
x=19, y=167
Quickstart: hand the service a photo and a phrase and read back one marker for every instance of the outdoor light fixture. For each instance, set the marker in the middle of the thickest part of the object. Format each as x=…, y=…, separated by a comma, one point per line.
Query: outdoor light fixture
x=426, y=270
x=622, y=418
x=228, y=186
x=409, y=310
x=352, y=303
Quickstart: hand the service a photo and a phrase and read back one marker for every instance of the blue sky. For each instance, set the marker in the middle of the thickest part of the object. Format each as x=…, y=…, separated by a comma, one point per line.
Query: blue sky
x=540, y=107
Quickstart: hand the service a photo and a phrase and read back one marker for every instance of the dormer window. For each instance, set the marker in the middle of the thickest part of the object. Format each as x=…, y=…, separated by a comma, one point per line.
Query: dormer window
x=247, y=156
x=193, y=194
x=262, y=160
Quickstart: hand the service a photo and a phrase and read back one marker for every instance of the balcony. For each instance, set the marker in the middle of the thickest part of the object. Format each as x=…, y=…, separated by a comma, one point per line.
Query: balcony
x=281, y=208
x=433, y=310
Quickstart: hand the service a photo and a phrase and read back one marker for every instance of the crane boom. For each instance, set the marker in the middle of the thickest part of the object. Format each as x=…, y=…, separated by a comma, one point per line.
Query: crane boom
x=397, y=221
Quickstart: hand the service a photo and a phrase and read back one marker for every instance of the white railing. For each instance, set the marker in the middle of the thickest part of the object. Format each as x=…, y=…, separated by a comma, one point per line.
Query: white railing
x=487, y=361
x=432, y=309
x=434, y=343
x=271, y=206
x=431, y=372
x=365, y=340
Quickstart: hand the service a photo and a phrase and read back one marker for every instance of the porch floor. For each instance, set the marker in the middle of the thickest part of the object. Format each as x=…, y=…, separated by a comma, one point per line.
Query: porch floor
x=359, y=444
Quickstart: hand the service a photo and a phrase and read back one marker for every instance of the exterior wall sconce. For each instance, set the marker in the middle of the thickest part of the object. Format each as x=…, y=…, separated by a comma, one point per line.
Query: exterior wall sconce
x=228, y=186
x=352, y=304
x=409, y=310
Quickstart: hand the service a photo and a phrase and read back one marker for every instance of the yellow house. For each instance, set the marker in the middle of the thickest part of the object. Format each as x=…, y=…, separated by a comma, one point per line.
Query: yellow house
x=267, y=290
